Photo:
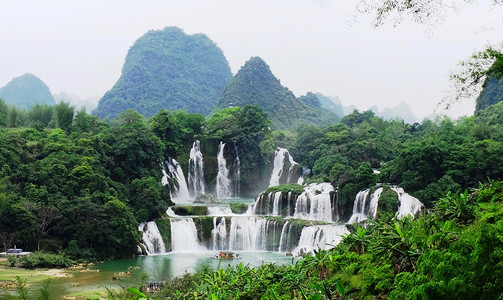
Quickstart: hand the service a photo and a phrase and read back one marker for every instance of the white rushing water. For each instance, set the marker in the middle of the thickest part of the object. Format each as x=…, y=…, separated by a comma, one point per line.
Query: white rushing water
x=219, y=234
x=251, y=233
x=196, y=171
x=223, y=186
x=184, y=236
x=152, y=239
x=180, y=190
x=365, y=205
x=237, y=174
x=277, y=170
x=408, y=204
x=320, y=237
x=314, y=203
x=219, y=211
x=281, y=157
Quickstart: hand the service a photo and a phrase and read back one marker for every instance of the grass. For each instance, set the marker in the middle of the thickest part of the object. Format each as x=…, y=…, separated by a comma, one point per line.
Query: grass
x=94, y=294
x=9, y=274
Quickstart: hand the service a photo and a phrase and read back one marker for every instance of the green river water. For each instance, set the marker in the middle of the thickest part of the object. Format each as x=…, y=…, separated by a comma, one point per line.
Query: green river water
x=156, y=268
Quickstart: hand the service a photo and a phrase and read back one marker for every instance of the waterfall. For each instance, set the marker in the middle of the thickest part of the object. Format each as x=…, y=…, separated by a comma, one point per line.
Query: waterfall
x=277, y=170
x=178, y=189
x=285, y=238
x=223, y=186
x=314, y=202
x=196, y=174
x=184, y=236
x=320, y=237
x=408, y=204
x=219, y=211
x=152, y=239
x=360, y=210
x=281, y=156
x=359, y=207
x=373, y=202
x=253, y=234
x=237, y=174
x=219, y=234
x=275, y=206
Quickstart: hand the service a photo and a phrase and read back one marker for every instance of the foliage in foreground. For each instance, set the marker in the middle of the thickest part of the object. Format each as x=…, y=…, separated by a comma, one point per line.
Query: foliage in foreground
x=455, y=252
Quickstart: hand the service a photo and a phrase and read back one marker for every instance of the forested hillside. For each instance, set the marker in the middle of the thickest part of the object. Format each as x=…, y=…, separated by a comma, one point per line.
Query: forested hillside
x=25, y=91
x=168, y=69
x=255, y=84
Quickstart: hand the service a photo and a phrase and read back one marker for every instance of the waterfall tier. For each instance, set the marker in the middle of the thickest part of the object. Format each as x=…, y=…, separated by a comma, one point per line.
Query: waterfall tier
x=320, y=237
x=152, y=239
x=366, y=204
x=282, y=161
x=317, y=202
x=223, y=186
x=196, y=171
x=184, y=236
x=176, y=180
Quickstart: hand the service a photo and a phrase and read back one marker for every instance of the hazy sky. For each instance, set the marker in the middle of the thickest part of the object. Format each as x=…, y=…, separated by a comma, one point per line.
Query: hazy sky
x=79, y=47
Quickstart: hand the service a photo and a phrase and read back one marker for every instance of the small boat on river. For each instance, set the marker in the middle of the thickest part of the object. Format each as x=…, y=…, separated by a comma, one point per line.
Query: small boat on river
x=226, y=255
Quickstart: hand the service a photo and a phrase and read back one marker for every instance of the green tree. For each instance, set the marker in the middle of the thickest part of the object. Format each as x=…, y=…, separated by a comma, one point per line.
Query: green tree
x=64, y=115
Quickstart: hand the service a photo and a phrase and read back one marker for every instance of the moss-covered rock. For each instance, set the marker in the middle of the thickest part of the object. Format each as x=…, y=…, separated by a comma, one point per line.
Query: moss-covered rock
x=164, y=226
x=191, y=210
x=286, y=188
x=388, y=202
x=239, y=208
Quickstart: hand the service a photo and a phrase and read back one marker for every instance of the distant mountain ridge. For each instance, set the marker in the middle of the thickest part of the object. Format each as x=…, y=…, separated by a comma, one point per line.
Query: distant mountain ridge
x=255, y=84
x=89, y=103
x=25, y=91
x=401, y=110
x=171, y=70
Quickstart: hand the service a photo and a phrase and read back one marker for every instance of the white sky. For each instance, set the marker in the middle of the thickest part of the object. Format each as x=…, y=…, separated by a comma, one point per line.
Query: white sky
x=79, y=46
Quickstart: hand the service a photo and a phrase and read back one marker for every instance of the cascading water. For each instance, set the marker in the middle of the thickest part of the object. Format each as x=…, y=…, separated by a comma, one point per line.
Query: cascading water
x=320, y=237
x=315, y=203
x=179, y=189
x=219, y=211
x=237, y=174
x=361, y=211
x=253, y=234
x=196, y=173
x=281, y=157
x=184, y=236
x=219, y=234
x=152, y=239
x=223, y=186
x=408, y=204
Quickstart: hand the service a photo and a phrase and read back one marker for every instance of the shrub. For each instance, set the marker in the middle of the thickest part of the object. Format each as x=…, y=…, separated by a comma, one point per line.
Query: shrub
x=40, y=260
